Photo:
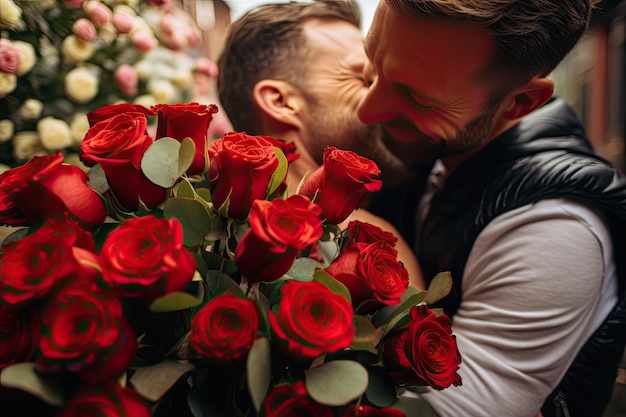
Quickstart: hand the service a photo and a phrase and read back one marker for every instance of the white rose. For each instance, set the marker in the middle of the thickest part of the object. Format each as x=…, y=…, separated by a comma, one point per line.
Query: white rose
x=45, y=4
x=182, y=78
x=125, y=8
x=27, y=56
x=30, y=109
x=8, y=83
x=162, y=90
x=26, y=145
x=79, y=125
x=10, y=15
x=107, y=33
x=144, y=69
x=54, y=134
x=6, y=130
x=76, y=50
x=146, y=100
x=81, y=85
x=74, y=159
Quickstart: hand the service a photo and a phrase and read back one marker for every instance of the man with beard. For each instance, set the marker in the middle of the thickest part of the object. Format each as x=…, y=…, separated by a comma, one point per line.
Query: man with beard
x=530, y=222
x=294, y=71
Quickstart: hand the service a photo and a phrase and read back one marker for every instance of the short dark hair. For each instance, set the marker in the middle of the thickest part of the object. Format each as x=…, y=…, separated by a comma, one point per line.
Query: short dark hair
x=532, y=36
x=267, y=42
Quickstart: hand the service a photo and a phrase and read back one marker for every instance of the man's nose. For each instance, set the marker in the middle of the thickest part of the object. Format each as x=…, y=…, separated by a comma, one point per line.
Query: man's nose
x=377, y=105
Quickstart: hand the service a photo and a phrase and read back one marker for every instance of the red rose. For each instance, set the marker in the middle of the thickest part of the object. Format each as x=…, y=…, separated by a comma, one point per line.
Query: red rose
x=118, y=144
x=33, y=266
x=225, y=328
x=424, y=352
x=109, y=400
x=342, y=183
x=371, y=272
x=367, y=411
x=45, y=186
x=361, y=232
x=292, y=400
x=308, y=320
x=189, y=120
x=110, y=110
x=19, y=335
x=145, y=257
x=288, y=148
x=278, y=230
x=79, y=326
x=10, y=213
x=240, y=171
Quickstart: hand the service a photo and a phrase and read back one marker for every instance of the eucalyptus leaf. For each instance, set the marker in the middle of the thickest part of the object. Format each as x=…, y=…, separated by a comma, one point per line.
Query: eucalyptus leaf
x=365, y=335
x=159, y=162
x=439, y=287
x=152, y=382
x=193, y=216
x=335, y=286
x=185, y=189
x=174, y=301
x=381, y=390
x=279, y=174
x=98, y=179
x=411, y=297
x=414, y=407
x=219, y=283
x=303, y=269
x=11, y=233
x=47, y=387
x=336, y=383
x=258, y=371
x=186, y=154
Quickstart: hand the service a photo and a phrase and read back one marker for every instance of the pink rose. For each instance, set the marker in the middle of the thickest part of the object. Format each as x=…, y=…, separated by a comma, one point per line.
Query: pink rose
x=98, y=13
x=123, y=22
x=126, y=80
x=9, y=57
x=144, y=41
x=84, y=29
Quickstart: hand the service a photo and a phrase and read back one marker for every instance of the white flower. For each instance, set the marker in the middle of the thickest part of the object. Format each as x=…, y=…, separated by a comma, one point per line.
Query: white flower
x=30, y=109
x=76, y=50
x=8, y=82
x=81, y=85
x=124, y=8
x=163, y=90
x=6, y=130
x=182, y=78
x=79, y=125
x=45, y=4
x=146, y=100
x=107, y=33
x=144, y=69
x=10, y=15
x=28, y=59
x=26, y=144
x=74, y=159
x=54, y=134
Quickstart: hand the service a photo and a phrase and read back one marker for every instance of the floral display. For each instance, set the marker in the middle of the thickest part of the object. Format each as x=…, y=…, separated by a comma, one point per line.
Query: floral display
x=60, y=59
x=177, y=277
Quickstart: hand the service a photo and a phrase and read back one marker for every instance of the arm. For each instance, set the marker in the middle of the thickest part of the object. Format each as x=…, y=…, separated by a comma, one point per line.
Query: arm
x=534, y=289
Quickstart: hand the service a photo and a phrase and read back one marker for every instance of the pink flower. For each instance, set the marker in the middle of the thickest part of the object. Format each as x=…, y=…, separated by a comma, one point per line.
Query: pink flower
x=205, y=66
x=73, y=4
x=84, y=29
x=123, y=22
x=9, y=57
x=144, y=41
x=98, y=13
x=126, y=80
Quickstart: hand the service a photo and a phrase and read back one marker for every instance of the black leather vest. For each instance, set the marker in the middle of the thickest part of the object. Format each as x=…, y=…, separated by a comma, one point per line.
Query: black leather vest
x=545, y=156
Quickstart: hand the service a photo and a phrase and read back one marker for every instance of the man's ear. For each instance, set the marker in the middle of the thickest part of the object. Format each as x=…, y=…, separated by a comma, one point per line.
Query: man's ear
x=526, y=99
x=279, y=101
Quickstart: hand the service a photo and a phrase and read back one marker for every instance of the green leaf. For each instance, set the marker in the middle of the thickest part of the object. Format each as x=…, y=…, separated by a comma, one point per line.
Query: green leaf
x=381, y=390
x=98, y=179
x=174, y=301
x=193, y=216
x=186, y=154
x=10, y=233
x=258, y=371
x=439, y=287
x=160, y=162
x=219, y=283
x=365, y=335
x=279, y=174
x=303, y=269
x=414, y=407
x=336, y=383
x=152, y=382
x=185, y=189
x=47, y=387
x=335, y=286
x=411, y=297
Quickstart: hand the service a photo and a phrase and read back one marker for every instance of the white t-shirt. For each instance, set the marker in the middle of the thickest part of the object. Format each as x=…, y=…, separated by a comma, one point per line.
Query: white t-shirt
x=538, y=281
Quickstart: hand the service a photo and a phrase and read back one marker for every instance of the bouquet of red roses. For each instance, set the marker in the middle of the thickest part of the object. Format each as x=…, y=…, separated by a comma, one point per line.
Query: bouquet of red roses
x=178, y=277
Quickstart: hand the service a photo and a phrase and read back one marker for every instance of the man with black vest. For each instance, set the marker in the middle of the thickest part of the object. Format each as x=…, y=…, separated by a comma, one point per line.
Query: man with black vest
x=514, y=202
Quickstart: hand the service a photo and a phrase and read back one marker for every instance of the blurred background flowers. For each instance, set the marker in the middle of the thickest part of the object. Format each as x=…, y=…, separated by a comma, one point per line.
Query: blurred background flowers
x=60, y=59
